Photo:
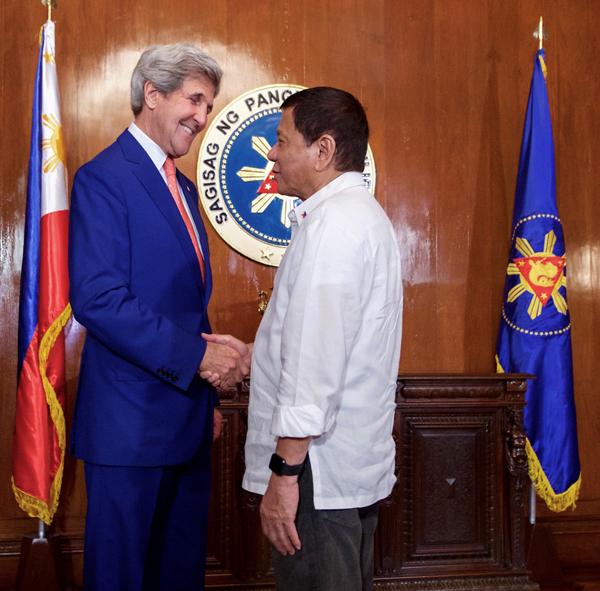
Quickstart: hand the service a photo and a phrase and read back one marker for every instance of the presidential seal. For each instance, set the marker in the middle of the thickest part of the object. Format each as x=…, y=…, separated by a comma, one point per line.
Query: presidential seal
x=237, y=190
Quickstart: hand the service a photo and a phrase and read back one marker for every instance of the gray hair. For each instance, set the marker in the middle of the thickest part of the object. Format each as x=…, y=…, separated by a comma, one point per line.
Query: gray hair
x=167, y=66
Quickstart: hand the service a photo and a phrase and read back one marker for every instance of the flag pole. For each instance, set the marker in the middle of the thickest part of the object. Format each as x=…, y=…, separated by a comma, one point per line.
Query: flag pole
x=539, y=34
x=50, y=4
x=41, y=533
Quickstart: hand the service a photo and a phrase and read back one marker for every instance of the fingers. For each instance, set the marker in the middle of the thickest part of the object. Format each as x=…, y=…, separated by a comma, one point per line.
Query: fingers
x=225, y=362
x=294, y=537
x=278, y=514
x=244, y=367
x=212, y=378
x=248, y=356
x=236, y=344
x=229, y=340
x=283, y=536
x=213, y=338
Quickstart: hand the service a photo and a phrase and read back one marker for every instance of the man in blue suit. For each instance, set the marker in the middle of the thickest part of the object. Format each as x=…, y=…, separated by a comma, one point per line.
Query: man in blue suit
x=140, y=284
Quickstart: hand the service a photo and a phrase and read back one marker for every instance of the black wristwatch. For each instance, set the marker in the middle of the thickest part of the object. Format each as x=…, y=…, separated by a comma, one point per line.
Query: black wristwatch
x=280, y=467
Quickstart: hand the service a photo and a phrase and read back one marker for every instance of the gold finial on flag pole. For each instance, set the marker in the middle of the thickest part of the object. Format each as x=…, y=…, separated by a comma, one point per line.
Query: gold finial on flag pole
x=539, y=33
x=50, y=4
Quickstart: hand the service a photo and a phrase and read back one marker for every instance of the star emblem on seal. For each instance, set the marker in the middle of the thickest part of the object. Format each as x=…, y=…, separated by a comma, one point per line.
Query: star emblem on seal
x=267, y=192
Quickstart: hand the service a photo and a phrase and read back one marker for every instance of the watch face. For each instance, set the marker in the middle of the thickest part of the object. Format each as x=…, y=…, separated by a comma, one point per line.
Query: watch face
x=279, y=466
x=276, y=464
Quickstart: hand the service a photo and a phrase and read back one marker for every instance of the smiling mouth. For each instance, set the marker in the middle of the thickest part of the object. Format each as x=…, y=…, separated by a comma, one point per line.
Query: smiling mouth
x=188, y=129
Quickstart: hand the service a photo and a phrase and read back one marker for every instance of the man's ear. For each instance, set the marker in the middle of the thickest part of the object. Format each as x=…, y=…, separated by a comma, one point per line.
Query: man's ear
x=151, y=95
x=325, y=152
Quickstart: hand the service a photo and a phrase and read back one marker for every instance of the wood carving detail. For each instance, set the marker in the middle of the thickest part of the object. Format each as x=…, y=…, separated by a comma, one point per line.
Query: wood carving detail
x=455, y=514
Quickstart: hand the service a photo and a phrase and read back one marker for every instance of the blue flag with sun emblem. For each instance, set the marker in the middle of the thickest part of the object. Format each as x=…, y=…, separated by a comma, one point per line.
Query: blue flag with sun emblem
x=535, y=328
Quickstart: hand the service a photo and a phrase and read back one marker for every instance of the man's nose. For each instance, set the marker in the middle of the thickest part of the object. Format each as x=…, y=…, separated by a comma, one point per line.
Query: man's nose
x=272, y=155
x=201, y=116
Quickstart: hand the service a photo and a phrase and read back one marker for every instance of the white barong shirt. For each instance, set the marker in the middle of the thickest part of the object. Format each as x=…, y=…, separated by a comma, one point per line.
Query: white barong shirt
x=326, y=354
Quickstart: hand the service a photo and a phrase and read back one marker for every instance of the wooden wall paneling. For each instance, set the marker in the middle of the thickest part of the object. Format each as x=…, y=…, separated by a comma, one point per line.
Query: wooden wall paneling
x=491, y=190
x=577, y=121
x=409, y=146
x=457, y=95
x=445, y=84
x=248, y=62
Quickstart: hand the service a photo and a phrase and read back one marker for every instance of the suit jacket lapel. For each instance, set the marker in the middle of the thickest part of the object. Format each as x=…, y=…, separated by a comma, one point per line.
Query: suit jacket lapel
x=157, y=189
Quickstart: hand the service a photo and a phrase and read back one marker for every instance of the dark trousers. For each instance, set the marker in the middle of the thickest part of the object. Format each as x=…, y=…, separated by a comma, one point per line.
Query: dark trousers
x=146, y=527
x=337, y=547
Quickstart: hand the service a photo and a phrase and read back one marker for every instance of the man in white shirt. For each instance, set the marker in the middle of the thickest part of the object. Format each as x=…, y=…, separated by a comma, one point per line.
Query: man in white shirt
x=325, y=360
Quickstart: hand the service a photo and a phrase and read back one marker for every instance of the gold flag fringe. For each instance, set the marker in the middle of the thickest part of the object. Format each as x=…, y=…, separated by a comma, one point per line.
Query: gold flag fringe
x=555, y=501
x=34, y=506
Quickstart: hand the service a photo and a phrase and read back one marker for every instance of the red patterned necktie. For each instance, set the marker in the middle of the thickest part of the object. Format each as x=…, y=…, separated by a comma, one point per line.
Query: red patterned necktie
x=169, y=167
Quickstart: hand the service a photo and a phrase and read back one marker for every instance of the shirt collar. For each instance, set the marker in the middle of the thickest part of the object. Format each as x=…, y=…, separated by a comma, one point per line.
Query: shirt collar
x=154, y=151
x=339, y=183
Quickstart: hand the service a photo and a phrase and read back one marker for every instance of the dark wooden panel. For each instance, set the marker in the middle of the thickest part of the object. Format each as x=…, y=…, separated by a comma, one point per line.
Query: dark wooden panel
x=449, y=489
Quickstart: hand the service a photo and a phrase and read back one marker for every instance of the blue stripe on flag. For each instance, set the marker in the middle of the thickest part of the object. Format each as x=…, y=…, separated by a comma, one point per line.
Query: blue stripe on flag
x=28, y=301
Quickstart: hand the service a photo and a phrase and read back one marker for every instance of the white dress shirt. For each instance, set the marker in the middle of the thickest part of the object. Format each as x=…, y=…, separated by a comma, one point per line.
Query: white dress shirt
x=158, y=157
x=326, y=354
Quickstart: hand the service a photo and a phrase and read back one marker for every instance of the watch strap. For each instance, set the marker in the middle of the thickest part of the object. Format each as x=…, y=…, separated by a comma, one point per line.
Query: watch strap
x=279, y=466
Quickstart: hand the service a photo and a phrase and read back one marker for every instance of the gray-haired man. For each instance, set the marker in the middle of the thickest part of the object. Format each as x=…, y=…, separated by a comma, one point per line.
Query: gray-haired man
x=140, y=284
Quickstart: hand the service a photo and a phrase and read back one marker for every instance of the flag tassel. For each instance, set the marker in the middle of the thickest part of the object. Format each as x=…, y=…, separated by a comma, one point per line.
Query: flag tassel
x=554, y=501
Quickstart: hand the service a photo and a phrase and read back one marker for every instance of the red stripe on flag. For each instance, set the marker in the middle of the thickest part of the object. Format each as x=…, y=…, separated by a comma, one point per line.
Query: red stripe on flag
x=54, y=270
x=35, y=440
x=39, y=442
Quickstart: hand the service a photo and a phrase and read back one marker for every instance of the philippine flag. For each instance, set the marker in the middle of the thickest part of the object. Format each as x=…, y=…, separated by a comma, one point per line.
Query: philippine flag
x=44, y=310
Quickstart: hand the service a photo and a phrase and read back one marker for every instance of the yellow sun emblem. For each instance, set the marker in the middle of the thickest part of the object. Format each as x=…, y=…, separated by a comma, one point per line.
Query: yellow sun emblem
x=541, y=274
x=53, y=143
x=265, y=197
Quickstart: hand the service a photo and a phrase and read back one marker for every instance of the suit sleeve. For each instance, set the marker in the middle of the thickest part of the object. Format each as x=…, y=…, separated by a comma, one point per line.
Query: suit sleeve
x=99, y=270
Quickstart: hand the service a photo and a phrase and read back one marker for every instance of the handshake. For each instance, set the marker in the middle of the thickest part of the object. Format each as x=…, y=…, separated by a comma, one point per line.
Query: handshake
x=226, y=360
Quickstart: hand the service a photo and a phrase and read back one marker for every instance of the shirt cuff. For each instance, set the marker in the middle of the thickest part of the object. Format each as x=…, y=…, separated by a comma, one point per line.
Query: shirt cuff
x=300, y=421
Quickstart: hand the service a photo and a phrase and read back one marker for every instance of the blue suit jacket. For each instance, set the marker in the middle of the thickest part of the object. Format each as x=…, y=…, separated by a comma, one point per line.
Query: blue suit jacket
x=137, y=289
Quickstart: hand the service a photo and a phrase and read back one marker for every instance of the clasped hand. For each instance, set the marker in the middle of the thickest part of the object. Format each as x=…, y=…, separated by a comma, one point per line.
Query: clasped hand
x=226, y=361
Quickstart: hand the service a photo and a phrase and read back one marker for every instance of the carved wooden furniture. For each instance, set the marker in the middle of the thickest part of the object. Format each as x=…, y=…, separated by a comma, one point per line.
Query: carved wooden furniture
x=456, y=518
